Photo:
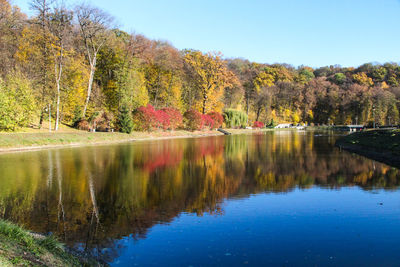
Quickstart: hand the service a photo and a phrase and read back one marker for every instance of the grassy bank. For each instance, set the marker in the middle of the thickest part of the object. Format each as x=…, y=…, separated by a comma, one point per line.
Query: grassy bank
x=381, y=145
x=19, y=247
x=41, y=139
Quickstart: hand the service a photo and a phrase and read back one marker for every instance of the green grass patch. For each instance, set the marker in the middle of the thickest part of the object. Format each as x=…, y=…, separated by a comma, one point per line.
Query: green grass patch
x=19, y=247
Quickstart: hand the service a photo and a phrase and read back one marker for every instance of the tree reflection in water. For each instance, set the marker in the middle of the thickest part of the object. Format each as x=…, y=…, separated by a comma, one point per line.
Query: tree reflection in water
x=92, y=196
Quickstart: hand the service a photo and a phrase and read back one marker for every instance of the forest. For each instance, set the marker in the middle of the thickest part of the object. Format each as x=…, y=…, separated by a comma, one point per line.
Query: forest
x=75, y=67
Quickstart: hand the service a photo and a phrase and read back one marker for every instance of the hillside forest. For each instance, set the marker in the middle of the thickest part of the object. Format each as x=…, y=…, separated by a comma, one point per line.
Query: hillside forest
x=75, y=67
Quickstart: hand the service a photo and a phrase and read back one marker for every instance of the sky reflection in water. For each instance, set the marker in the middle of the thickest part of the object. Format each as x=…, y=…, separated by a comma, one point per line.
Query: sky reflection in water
x=275, y=198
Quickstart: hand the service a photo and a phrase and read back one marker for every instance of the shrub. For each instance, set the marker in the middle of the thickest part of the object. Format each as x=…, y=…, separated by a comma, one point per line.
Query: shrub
x=162, y=119
x=206, y=122
x=125, y=123
x=258, y=124
x=83, y=125
x=193, y=120
x=103, y=121
x=175, y=118
x=145, y=118
x=217, y=118
x=235, y=118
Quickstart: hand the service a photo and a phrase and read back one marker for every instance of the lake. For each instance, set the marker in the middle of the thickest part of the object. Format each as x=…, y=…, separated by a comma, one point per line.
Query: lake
x=280, y=198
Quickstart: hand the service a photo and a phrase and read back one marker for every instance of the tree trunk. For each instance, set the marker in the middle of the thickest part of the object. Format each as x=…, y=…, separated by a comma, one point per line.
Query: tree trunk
x=247, y=108
x=58, y=80
x=258, y=113
x=204, y=103
x=89, y=90
x=58, y=107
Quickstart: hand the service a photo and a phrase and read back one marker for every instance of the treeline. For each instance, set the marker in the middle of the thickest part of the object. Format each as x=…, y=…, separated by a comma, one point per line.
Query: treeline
x=74, y=65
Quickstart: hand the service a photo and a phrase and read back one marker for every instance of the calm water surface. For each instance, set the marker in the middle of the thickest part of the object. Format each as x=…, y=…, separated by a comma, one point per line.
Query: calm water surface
x=276, y=198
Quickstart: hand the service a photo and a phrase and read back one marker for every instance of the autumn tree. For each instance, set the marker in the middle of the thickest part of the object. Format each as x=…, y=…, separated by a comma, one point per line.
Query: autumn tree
x=210, y=76
x=42, y=9
x=12, y=21
x=60, y=26
x=93, y=24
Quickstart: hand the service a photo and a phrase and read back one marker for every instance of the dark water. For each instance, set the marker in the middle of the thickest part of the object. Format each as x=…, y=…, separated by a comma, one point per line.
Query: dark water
x=277, y=198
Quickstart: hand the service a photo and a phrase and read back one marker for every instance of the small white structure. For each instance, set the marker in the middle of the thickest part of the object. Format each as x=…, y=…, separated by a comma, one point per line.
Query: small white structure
x=283, y=125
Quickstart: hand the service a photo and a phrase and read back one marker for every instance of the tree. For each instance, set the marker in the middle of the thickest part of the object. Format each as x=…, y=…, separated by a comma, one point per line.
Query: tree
x=42, y=8
x=339, y=78
x=210, y=76
x=362, y=79
x=60, y=26
x=125, y=123
x=306, y=74
x=94, y=24
x=17, y=102
x=12, y=22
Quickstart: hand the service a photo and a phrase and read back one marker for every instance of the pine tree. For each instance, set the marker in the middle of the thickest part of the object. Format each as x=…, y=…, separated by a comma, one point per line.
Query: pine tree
x=125, y=122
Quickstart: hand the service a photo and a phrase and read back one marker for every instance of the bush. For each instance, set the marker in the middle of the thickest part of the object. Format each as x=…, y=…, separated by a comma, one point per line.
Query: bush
x=162, y=119
x=125, y=123
x=206, y=122
x=235, y=118
x=193, y=120
x=175, y=118
x=217, y=118
x=258, y=124
x=103, y=122
x=145, y=118
x=83, y=125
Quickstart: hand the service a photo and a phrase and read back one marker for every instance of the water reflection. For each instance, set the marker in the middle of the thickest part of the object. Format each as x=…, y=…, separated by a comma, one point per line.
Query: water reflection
x=92, y=196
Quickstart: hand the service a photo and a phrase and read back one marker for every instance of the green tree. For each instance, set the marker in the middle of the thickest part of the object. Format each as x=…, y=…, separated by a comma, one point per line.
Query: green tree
x=125, y=123
x=339, y=78
x=17, y=102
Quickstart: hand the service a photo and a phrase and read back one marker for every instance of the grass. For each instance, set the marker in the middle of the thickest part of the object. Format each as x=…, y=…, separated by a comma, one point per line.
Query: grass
x=19, y=247
x=29, y=138
x=378, y=140
x=40, y=139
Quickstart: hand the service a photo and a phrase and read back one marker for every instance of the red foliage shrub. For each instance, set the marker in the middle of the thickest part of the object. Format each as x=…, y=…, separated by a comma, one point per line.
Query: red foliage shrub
x=162, y=119
x=145, y=118
x=193, y=120
x=207, y=121
x=258, y=124
x=175, y=118
x=217, y=118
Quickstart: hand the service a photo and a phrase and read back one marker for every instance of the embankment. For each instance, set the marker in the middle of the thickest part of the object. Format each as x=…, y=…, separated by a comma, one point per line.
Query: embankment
x=380, y=145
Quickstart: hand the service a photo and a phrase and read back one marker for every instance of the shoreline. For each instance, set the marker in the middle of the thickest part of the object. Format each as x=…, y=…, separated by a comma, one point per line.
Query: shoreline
x=379, y=145
x=387, y=157
x=57, y=140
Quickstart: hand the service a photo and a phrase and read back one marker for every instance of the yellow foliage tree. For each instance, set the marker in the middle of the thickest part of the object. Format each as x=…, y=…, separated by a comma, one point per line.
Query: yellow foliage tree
x=210, y=76
x=363, y=79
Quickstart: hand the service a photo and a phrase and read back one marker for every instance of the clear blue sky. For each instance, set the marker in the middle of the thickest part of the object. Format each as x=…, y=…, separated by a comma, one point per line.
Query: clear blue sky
x=308, y=32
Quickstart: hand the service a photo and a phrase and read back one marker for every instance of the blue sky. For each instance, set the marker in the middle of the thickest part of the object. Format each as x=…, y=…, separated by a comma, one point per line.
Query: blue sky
x=299, y=32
